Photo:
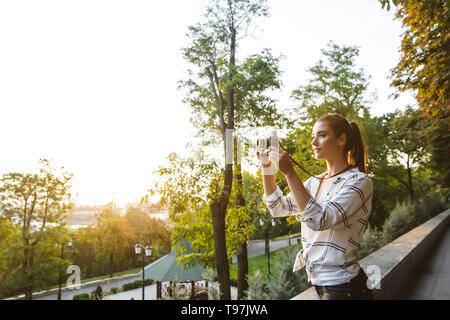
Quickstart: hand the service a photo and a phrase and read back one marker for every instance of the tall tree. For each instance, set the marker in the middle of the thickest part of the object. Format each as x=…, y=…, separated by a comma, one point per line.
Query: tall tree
x=225, y=93
x=113, y=233
x=336, y=86
x=424, y=67
x=34, y=202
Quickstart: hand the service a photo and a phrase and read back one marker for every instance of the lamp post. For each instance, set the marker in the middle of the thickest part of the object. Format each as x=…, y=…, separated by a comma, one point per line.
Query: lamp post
x=263, y=222
x=69, y=245
x=147, y=252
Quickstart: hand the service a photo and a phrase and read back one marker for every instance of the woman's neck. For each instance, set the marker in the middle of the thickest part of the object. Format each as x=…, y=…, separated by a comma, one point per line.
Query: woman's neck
x=336, y=165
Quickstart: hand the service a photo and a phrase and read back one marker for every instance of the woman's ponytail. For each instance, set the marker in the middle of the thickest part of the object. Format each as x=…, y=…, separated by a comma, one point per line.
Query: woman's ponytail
x=357, y=154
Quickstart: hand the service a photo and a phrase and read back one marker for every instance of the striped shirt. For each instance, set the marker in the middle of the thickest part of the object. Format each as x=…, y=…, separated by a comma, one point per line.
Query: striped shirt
x=332, y=225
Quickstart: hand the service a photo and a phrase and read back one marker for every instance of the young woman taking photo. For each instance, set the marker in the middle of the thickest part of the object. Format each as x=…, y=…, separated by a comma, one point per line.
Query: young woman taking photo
x=333, y=208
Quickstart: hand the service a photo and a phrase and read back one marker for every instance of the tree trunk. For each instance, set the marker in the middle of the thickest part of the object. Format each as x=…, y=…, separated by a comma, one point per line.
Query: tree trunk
x=219, y=206
x=242, y=258
x=242, y=263
x=27, y=267
x=218, y=219
x=111, y=265
x=410, y=185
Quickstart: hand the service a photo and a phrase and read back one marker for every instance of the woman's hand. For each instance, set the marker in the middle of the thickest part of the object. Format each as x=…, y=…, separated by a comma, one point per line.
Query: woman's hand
x=263, y=158
x=281, y=159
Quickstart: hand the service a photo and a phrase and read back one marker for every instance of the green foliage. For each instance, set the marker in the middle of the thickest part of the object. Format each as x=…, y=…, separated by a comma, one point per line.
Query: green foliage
x=400, y=221
x=98, y=293
x=335, y=87
x=424, y=65
x=409, y=215
x=284, y=284
x=114, y=290
x=81, y=296
x=35, y=204
x=429, y=207
x=136, y=284
x=371, y=241
x=257, y=286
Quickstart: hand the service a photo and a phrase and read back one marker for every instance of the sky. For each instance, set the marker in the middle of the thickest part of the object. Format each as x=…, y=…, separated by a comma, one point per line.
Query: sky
x=92, y=85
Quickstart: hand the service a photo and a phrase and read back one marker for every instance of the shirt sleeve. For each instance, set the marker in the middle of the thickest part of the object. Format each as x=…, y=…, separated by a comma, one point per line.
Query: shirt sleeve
x=280, y=205
x=340, y=208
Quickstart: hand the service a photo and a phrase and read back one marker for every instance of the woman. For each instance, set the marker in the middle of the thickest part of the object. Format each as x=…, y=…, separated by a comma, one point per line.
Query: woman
x=333, y=208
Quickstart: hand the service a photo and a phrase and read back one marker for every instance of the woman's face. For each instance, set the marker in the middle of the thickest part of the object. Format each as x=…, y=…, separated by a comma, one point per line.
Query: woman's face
x=325, y=145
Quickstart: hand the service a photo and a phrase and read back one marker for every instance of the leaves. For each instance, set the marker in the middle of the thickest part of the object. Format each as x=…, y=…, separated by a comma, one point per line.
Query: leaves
x=424, y=66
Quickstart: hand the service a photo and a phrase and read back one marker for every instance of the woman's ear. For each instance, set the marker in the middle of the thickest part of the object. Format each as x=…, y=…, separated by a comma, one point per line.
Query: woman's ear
x=342, y=140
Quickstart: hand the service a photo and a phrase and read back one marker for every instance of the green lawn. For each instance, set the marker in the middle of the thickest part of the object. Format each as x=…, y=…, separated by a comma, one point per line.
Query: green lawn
x=287, y=236
x=260, y=262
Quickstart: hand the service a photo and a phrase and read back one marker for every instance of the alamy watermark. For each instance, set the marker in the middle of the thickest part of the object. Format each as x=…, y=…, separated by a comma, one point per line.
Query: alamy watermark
x=373, y=277
x=74, y=280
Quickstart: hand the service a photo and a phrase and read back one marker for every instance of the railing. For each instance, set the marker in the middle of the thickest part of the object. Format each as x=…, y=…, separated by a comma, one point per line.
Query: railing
x=391, y=267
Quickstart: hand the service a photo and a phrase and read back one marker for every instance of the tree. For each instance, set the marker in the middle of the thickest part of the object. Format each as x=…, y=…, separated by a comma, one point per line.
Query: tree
x=335, y=87
x=220, y=95
x=33, y=202
x=144, y=227
x=113, y=232
x=406, y=143
x=187, y=186
x=424, y=65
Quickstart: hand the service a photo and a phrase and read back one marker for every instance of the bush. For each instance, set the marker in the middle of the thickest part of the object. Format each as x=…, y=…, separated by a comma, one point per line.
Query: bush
x=114, y=290
x=409, y=215
x=257, y=286
x=429, y=207
x=284, y=284
x=400, y=221
x=136, y=284
x=98, y=293
x=371, y=241
x=81, y=296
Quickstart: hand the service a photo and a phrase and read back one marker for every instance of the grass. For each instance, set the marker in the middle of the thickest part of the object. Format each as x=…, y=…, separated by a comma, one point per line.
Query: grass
x=260, y=262
x=287, y=236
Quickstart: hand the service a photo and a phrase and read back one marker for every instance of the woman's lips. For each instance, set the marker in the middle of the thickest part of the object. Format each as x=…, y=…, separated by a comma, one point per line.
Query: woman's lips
x=316, y=149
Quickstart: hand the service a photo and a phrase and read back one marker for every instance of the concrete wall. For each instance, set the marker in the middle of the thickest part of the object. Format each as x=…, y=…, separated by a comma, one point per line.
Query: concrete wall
x=397, y=262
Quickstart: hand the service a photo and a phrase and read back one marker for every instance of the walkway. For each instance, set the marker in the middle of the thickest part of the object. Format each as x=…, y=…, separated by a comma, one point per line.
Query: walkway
x=432, y=281
x=106, y=286
x=257, y=247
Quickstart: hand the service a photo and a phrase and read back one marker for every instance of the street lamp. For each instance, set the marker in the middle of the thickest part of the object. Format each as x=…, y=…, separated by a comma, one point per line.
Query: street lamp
x=267, y=248
x=147, y=252
x=69, y=245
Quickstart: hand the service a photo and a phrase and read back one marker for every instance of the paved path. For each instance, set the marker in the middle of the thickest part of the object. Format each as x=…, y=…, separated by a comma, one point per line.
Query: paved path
x=432, y=281
x=257, y=247
x=106, y=286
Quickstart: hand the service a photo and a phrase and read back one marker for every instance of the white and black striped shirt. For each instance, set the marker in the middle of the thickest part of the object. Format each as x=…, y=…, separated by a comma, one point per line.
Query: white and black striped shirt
x=332, y=225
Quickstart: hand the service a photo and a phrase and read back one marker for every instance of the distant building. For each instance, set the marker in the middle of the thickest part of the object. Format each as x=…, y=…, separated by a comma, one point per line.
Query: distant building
x=81, y=219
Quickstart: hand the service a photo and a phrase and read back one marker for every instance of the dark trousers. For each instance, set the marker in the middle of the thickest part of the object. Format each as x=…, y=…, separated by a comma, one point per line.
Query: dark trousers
x=356, y=289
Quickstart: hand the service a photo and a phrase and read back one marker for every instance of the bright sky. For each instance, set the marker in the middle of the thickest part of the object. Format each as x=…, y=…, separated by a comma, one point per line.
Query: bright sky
x=92, y=84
